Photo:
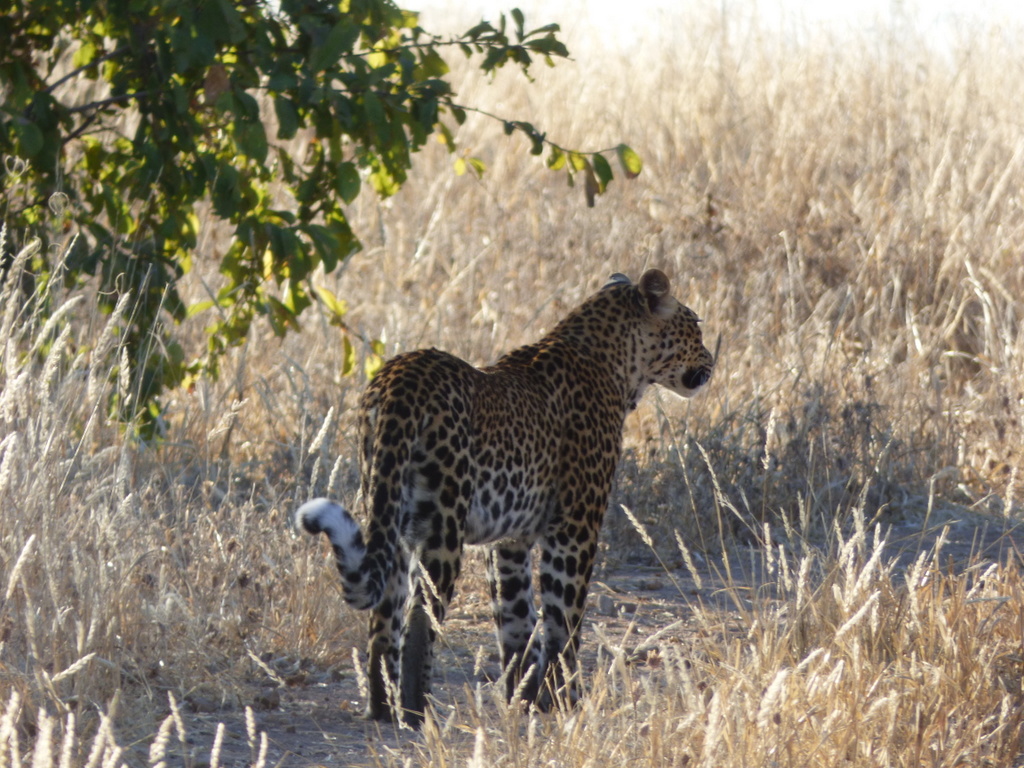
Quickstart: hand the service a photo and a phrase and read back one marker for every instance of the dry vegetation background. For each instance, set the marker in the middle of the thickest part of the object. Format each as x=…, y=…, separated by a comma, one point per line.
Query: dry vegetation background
x=845, y=214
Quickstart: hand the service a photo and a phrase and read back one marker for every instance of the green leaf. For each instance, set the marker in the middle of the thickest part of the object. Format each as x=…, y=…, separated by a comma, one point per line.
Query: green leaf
x=460, y=166
x=477, y=165
x=545, y=30
x=431, y=65
x=84, y=55
x=348, y=181
x=348, y=356
x=281, y=317
x=246, y=106
x=345, y=241
x=339, y=41
x=281, y=80
x=549, y=46
x=199, y=307
x=630, y=161
x=384, y=183
x=296, y=299
x=481, y=29
x=286, y=248
x=30, y=138
x=338, y=308
x=287, y=117
x=252, y=139
x=556, y=159
x=325, y=245
x=227, y=199
x=444, y=135
x=376, y=119
x=603, y=171
x=517, y=17
x=591, y=188
x=375, y=360
x=379, y=60
x=234, y=31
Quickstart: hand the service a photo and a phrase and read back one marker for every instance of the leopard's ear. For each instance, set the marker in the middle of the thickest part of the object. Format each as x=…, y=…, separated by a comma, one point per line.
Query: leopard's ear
x=654, y=288
x=618, y=279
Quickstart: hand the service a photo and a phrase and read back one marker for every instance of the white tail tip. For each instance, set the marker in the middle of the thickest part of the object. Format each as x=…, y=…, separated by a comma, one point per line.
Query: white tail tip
x=321, y=516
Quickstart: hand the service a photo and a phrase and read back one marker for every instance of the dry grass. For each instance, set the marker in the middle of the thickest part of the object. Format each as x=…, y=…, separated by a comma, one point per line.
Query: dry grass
x=845, y=215
x=846, y=665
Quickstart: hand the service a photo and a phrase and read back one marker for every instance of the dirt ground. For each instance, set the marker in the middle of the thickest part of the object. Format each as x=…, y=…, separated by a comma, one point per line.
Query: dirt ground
x=313, y=719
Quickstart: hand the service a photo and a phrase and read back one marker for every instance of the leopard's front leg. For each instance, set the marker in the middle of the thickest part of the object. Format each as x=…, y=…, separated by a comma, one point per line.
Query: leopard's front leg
x=567, y=561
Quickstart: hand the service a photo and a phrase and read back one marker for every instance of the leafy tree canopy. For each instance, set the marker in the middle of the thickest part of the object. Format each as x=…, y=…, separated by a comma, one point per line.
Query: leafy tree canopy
x=136, y=111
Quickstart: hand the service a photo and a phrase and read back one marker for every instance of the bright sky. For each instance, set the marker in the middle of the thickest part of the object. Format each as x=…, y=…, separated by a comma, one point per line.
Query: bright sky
x=626, y=21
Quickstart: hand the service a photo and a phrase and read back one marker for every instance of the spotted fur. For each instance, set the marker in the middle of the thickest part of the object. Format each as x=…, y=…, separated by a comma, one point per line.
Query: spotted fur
x=515, y=455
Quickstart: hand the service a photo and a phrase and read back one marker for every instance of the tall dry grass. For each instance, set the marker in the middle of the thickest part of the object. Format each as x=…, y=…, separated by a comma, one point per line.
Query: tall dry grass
x=845, y=215
x=848, y=663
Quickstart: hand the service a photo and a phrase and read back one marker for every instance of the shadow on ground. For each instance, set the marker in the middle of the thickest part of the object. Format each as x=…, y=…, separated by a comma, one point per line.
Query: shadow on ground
x=637, y=607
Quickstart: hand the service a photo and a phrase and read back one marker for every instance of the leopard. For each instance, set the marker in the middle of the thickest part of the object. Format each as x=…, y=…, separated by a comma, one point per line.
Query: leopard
x=516, y=457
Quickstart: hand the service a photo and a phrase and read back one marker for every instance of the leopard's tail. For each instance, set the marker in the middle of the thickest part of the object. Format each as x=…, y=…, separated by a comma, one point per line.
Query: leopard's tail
x=364, y=587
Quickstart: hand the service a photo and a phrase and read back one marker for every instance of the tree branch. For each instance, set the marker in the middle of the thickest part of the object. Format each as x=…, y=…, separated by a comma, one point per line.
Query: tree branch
x=80, y=129
x=93, y=63
x=98, y=105
x=518, y=125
